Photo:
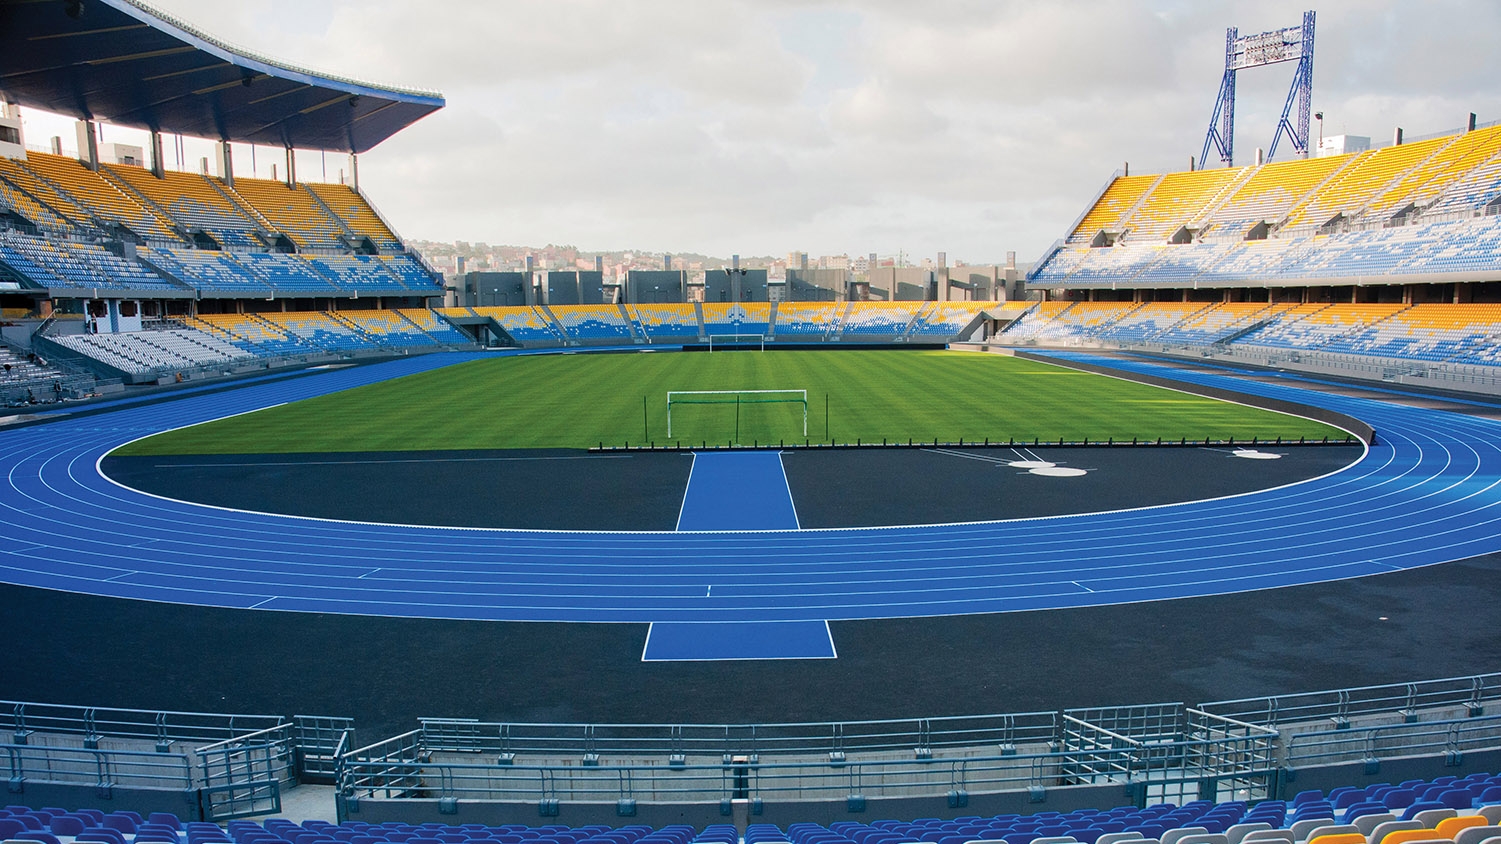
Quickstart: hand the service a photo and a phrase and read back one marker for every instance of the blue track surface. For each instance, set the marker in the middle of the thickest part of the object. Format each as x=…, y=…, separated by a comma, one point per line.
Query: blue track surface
x=744, y=490
x=1426, y=493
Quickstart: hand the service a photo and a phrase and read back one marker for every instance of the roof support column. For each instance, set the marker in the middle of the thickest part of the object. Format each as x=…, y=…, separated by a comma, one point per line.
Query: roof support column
x=224, y=162
x=354, y=171
x=88, y=143
x=158, y=163
x=291, y=168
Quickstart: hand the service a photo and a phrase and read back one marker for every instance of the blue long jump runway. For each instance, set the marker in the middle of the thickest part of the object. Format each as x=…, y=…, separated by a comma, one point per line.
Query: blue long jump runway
x=1426, y=493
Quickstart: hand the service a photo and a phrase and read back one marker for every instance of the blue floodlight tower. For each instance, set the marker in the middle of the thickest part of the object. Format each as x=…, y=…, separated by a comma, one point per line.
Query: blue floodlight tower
x=1295, y=43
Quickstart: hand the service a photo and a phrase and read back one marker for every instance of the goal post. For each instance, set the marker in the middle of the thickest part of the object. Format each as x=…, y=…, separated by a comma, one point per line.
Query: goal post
x=737, y=341
x=737, y=398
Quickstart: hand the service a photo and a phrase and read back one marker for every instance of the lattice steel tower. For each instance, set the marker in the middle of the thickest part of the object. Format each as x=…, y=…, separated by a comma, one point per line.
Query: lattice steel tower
x=1294, y=43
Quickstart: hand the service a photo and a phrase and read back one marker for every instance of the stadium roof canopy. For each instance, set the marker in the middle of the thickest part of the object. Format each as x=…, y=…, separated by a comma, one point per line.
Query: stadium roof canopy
x=125, y=63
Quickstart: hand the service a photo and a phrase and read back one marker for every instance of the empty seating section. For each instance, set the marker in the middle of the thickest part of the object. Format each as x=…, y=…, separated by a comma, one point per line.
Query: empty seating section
x=60, y=264
x=14, y=199
x=143, y=351
x=386, y=328
x=411, y=273
x=192, y=201
x=207, y=271
x=1476, y=189
x=946, y=319
x=1448, y=333
x=1431, y=332
x=288, y=274
x=293, y=211
x=593, y=322
x=522, y=322
x=666, y=322
x=364, y=273
x=1121, y=196
x=323, y=331
x=355, y=212
x=103, y=197
x=1150, y=321
x=1177, y=200
x=1425, y=182
x=807, y=319
x=879, y=319
x=1446, y=809
x=1217, y=322
x=1357, y=184
x=1271, y=192
x=1316, y=327
x=25, y=181
x=439, y=329
x=253, y=333
x=1419, y=208
x=740, y=318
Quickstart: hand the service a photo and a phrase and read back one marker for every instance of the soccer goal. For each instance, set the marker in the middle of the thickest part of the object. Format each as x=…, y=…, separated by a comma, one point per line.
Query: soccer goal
x=737, y=341
x=738, y=398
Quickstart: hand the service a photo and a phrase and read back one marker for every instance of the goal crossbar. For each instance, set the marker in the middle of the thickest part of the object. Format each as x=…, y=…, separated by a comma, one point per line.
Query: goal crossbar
x=738, y=340
x=737, y=397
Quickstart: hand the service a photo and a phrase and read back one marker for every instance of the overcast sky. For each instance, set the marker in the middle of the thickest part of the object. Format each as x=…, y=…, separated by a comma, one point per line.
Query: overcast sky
x=764, y=126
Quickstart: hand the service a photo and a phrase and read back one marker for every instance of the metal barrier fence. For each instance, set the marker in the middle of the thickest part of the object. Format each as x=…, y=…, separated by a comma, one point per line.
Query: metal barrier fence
x=93, y=723
x=389, y=778
x=1384, y=741
x=1162, y=751
x=101, y=769
x=237, y=765
x=1340, y=705
x=591, y=741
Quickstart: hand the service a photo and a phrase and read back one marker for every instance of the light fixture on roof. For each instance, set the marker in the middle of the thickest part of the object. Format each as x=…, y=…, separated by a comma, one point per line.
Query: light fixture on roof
x=73, y=9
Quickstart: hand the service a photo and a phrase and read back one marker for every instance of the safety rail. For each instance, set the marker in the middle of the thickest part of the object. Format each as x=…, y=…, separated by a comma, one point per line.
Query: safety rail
x=95, y=722
x=264, y=754
x=1340, y=705
x=100, y=768
x=1386, y=741
x=920, y=736
x=736, y=778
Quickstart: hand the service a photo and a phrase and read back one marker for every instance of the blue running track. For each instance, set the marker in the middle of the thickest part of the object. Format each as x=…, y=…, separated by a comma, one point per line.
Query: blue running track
x=1426, y=493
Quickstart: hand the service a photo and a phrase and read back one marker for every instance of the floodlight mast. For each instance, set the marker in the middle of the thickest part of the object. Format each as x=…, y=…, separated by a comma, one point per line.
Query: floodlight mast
x=1295, y=43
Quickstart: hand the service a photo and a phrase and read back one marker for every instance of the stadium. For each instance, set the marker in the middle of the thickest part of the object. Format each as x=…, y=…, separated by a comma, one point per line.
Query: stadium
x=1185, y=535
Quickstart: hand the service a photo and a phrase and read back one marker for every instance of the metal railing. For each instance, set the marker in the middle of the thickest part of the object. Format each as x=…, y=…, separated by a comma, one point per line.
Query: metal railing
x=102, y=769
x=95, y=722
x=738, y=778
x=623, y=740
x=1385, y=741
x=1340, y=705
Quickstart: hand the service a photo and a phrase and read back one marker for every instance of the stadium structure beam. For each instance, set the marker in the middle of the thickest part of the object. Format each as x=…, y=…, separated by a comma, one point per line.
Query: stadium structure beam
x=1294, y=43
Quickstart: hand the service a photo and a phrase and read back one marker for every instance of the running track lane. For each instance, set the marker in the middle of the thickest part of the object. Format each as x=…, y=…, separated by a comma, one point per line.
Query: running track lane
x=1426, y=493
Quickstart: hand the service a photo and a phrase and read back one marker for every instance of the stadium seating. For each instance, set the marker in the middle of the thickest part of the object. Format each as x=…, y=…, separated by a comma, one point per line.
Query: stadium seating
x=208, y=271
x=438, y=329
x=741, y=318
x=1380, y=813
x=105, y=200
x=593, y=323
x=292, y=211
x=677, y=323
x=55, y=263
x=1417, y=209
x=1108, y=212
x=808, y=320
x=145, y=351
x=523, y=323
x=193, y=202
x=356, y=213
x=870, y=320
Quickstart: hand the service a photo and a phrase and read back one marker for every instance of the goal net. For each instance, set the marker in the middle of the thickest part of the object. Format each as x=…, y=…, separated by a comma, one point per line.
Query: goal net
x=737, y=341
x=714, y=414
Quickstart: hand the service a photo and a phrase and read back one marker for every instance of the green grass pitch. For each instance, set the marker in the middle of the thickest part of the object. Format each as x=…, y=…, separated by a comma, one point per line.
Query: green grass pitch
x=578, y=401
